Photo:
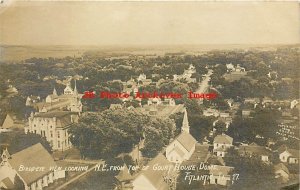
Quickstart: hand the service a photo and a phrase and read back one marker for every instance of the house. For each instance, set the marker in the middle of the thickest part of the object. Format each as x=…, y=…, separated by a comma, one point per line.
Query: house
x=211, y=112
x=294, y=103
x=288, y=155
x=246, y=113
x=221, y=175
x=230, y=67
x=142, y=77
x=183, y=146
x=32, y=165
x=11, y=122
x=281, y=172
x=154, y=101
x=53, y=126
x=255, y=150
x=239, y=68
x=221, y=144
x=229, y=102
x=124, y=179
x=32, y=99
x=152, y=178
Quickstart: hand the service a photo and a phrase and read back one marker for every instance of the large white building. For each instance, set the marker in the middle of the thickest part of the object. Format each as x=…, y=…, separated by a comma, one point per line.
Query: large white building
x=54, y=126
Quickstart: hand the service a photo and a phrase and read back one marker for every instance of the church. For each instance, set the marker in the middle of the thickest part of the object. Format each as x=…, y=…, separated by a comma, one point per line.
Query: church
x=70, y=100
x=183, y=146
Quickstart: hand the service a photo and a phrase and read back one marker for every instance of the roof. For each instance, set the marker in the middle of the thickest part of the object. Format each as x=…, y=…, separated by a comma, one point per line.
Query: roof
x=52, y=114
x=34, y=156
x=214, y=160
x=63, y=118
x=8, y=183
x=200, y=154
x=281, y=166
x=220, y=170
x=178, y=151
x=223, y=139
x=186, y=140
x=124, y=175
x=156, y=177
x=294, y=152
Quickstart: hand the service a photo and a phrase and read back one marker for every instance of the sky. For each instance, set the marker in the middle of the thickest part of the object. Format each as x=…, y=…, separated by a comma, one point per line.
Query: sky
x=149, y=23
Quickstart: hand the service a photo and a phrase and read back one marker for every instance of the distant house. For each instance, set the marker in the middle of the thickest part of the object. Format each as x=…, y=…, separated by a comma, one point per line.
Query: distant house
x=288, y=155
x=211, y=112
x=221, y=144
x=252, y=101
x=255, y=150
x=115, y=106
x=281, y=172
x=151, y=178
x=221, y=175
x=11, y=122
x=246, y=113
x=294, y=103
x=32, y=99
x=32, y=157
x=183, y=146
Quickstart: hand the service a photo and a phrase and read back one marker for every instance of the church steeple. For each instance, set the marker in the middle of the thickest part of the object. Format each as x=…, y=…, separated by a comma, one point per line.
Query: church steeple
x=185, y=123
x=75, y=88
x=54, y=92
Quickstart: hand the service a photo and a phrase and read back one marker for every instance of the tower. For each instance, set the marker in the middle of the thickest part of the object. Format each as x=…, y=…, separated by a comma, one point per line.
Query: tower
x=54, y=92
x=185, y=123
x=75, y=89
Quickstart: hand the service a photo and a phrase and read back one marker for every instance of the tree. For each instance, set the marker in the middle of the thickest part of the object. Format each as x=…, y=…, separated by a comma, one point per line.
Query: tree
x=220, y=127
x=111, y=132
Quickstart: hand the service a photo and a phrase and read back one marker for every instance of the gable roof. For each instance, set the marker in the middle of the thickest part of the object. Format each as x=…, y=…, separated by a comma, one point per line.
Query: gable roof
x=178, y=151
x=156, y=177
x=281, y=166
x=34, y=156
x=186, y=140
x=223, y=139
x=223, y=170
x=124, y=175
x=294, y=152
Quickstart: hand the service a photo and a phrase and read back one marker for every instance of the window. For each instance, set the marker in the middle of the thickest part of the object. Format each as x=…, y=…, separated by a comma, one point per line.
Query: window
x=51, y=134
x=58, y=144
x=58, y=135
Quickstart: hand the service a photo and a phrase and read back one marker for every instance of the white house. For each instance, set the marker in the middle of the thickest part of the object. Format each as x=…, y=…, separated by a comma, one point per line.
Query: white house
x=221, y=144
x=34, y=158
x=294, y=103
x=288, y=155
x=221, y=175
